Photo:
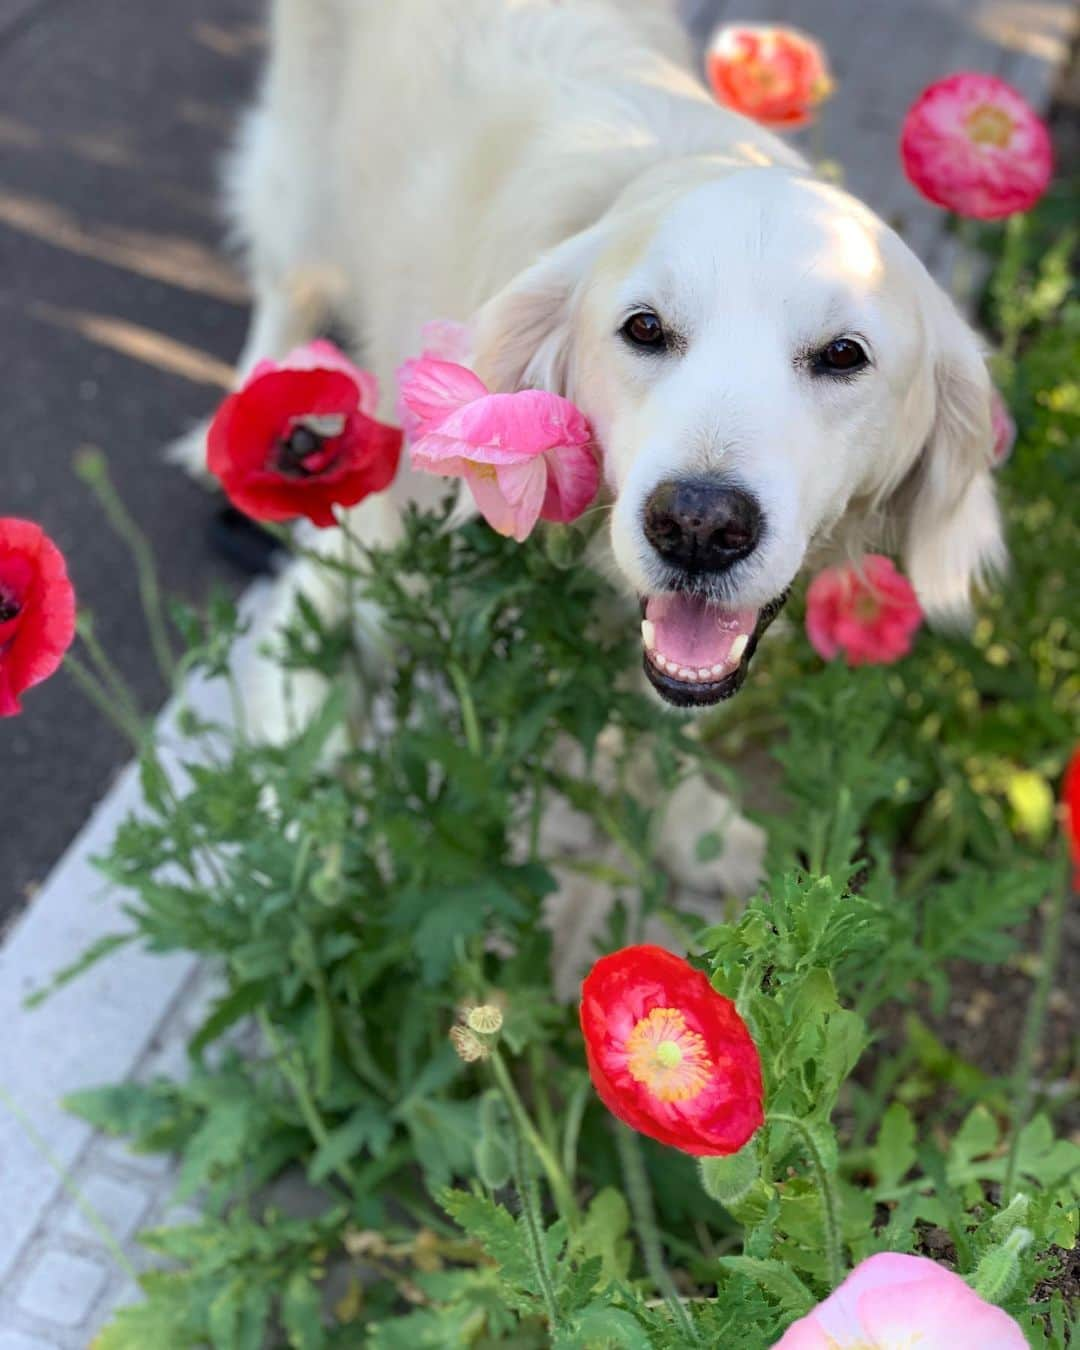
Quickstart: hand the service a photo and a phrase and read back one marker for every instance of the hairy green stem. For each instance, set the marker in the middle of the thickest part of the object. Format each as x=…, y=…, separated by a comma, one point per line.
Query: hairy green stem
x=107, y=671
x=92, y=468
x=297, y=1081
x=96, y=692
x=834, y=1259
x=89, y=1213
x=575, y=1111
x=530, y=1209
x=1034, y=1025
x=560, y=1187
x=640, y=1199
x=468, y=709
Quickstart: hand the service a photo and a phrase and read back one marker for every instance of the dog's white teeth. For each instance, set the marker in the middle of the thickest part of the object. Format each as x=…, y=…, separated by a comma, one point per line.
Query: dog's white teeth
x=716, y=672
x=658, y=660
x=685, y=673
x=648, y=634
x=739, y=646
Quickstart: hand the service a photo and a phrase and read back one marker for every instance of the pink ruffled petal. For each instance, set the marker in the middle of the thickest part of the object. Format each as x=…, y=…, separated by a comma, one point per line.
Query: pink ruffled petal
x=945, y=1312
x=446, y=340
x=508, y=498
x=572, y=482
x=443, y=466
x=509, y=428
x=431, y=390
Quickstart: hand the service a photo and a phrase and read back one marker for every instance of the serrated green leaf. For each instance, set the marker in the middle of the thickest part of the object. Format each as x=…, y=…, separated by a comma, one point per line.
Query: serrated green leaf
x=894, y=1150
x=367, y=1128
x=777, y=1279
x=301, y=1313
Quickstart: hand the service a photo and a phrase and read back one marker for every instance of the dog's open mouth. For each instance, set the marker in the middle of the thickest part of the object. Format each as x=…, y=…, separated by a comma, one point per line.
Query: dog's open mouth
x=697, y=653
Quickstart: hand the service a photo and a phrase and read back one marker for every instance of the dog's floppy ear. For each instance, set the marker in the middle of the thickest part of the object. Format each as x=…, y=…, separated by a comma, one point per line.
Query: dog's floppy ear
x=523, y=335
x=950, y=526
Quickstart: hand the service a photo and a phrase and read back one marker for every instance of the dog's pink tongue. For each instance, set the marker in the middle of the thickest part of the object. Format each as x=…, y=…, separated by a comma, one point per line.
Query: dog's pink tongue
x=690, y=633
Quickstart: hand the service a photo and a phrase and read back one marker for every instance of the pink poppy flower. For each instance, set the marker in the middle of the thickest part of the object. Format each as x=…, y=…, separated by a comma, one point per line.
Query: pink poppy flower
x=870, y=613
x=300, y=437
x=890, y=1300
x=971, y=143
x=775, y=75
x=1004, y=429
x=524, y=456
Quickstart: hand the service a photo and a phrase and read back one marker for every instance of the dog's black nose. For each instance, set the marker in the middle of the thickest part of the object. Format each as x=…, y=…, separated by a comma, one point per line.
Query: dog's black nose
x=702, y=525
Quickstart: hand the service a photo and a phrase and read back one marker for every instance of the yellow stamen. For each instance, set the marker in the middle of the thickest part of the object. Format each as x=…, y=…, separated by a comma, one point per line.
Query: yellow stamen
x=668, y=1057
x=989, y=125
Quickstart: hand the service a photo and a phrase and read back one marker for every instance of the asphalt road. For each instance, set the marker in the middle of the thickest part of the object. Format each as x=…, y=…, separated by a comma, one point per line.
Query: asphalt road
x=117, y=316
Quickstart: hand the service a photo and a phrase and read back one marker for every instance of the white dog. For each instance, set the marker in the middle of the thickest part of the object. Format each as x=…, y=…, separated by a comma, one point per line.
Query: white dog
x=770, y=372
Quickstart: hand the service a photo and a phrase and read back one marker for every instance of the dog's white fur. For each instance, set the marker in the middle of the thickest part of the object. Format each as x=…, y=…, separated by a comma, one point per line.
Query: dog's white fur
x=538, y=169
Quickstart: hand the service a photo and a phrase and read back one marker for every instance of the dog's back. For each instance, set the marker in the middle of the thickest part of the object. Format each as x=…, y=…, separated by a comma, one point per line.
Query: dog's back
x=411, y=158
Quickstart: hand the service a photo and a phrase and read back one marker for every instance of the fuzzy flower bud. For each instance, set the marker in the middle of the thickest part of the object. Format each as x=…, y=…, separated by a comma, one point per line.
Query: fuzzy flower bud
x=485, y=1019
x=468, y=1045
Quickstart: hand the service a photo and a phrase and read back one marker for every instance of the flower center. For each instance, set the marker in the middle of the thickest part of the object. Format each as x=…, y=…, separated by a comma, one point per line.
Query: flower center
x=294, y=452
x=668, y=1057
x=304, y=451
x=989, y=125
x=866, y=607
x=9, y=607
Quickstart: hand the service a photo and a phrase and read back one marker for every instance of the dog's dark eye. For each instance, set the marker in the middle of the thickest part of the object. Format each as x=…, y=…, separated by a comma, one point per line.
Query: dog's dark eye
x=843, y=356
x=644, y=329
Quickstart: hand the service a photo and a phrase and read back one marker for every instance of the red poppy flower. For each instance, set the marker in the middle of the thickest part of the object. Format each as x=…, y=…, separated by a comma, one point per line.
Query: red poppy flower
x=299, y=438
x=775, y=75
x=870, y=613
x=37, y=610
x=669, y=1055
x=1070, y=796
x=971, y=143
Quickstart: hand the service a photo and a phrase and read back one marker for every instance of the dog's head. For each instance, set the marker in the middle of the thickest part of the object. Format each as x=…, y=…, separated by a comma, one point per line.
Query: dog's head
x=771, y=374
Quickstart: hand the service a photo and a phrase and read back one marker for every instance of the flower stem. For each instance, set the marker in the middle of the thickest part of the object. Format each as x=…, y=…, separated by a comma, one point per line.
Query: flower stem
x=530, y=1209
x=641, y=1206
x=468, y=709
x=85, y=1208
x=829, y=1207
x=560, y=1187
x=98, y=695
x=92, y=469
x=1034, y=1025
x=113, y=681
x=575, y=1111
x=294, y=1075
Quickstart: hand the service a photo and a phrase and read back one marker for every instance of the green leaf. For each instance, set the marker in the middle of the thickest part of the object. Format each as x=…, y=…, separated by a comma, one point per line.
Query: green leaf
x=97, y=951
x=224, y=1013
x=603, y=1233
x=894, y=1150
x=496, y=1231
x=777, y=1279
x=600, y=1327
x=301, y=1313
x=367, y=1128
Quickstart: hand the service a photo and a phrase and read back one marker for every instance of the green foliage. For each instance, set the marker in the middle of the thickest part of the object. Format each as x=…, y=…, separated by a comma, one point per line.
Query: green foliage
x=359, y=886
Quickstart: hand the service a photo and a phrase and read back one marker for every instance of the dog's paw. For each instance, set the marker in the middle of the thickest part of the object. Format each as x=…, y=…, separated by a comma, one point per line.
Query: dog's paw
x=188, y=452
x=706, y=844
